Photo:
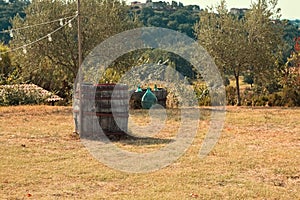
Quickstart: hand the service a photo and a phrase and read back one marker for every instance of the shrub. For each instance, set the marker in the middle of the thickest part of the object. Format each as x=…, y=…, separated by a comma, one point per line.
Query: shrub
x=276, y=99
x=16, y=95
x=261, y=100
x=249, y=79
x=202, y=94
x=226, y=81
x=230, y=95
x=291, y=97
x=247, y=97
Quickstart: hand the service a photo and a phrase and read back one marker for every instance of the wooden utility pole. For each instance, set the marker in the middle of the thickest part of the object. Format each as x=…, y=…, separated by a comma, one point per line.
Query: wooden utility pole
x=79, y=34
x=80, y=124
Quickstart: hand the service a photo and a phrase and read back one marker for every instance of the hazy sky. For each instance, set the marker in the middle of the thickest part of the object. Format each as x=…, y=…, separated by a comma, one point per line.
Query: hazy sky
x=290, y=9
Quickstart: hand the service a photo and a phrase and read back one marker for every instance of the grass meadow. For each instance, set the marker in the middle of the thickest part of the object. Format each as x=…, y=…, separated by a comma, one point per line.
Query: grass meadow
x=256, y=157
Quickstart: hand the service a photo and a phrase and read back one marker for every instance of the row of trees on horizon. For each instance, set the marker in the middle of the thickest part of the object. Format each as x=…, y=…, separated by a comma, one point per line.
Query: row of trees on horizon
x=255, y=47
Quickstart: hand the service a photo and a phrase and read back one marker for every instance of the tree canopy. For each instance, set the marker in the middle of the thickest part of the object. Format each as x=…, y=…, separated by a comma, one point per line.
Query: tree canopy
x=256, y=44
x=241, y=44
x=8, y=10
x=173, y=16
x=54, y=64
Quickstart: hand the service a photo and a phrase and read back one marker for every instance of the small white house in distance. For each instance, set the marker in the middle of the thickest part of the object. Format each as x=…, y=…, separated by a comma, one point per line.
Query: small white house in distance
x=238, y=11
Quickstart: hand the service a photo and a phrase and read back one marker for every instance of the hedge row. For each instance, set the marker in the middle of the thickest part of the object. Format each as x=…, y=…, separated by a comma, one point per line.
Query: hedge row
x=286, y=97
x=249, y=97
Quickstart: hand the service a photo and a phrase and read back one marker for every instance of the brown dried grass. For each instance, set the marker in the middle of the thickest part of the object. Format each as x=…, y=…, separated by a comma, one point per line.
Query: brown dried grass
x=257, y=157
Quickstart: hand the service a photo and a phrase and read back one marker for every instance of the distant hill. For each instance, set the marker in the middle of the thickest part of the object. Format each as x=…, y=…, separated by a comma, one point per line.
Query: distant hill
x=173, y=15
x=296, y=22
x=8, y=10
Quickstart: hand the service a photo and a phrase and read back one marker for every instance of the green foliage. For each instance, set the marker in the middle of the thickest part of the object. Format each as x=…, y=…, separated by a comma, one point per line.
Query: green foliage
x=54, y=65
x=287, y=97
x=147, y=56
x=291, y=96
x=249, y=79
x=248, y=45
x=110, y=76
x=8, y=10
x=9, y=72
x=226, y=81
x=202, y=94
x=175, y=16
x=230, y=95
x=5, y=61
x=169, y=59
x=291, y=31
x=247, y=97
x=242, y=44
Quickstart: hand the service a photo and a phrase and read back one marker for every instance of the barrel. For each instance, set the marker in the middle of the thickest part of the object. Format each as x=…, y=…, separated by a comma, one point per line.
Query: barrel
x=161, y=95
x=106, y=105
x=112, y=107
x=136, y=98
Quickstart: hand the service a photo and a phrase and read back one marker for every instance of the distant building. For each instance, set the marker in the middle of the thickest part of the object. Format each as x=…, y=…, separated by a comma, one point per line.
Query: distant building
x=159, y=6
x=136, y=5
x=238, y=11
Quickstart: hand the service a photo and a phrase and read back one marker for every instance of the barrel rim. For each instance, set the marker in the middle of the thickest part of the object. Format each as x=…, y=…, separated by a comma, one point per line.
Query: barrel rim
x=110, y=84
x=105, y=84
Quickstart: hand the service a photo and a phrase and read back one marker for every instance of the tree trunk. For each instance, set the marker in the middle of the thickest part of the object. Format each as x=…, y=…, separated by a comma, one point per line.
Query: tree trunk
x=236, y=76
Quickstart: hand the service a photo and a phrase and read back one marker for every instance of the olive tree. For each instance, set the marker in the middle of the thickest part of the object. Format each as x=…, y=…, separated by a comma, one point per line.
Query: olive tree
x=53, y=61
x=239, y=45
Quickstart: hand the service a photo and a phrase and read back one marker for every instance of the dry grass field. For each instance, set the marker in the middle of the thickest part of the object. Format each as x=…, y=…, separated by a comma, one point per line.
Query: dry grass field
x=257, y=157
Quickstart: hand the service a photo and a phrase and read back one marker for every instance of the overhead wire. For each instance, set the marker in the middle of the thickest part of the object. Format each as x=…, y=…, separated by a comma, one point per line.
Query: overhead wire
x=34, y=25
x=48, y=35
